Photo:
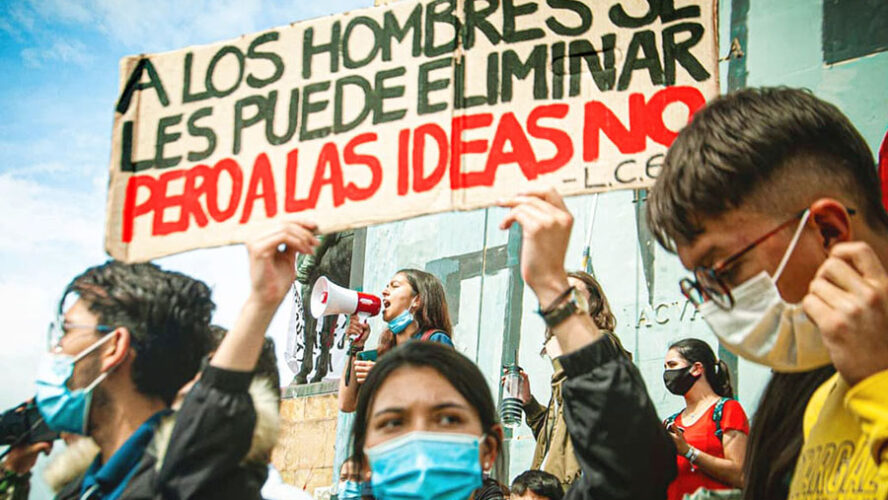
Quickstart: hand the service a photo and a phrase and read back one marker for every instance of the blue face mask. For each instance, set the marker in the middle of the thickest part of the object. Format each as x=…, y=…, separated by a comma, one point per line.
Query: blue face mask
x=401, y=321
x=426, y=465
x=62, y=409
x=354, y=490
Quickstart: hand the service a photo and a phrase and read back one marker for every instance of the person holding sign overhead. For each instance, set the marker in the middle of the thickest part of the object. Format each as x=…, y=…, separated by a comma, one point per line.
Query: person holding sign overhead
x=120, y=352
x=436, y=442
x=414, y=308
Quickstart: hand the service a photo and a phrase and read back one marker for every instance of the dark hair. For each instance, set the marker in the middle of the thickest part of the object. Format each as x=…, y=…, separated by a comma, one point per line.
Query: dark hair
x=716, y=372
x=767, y=148
x=266, y=366
x=490, y=489
x=433, y=313
x=166, y=313
x=459, y=371
x=775, y=439
x=540, y=483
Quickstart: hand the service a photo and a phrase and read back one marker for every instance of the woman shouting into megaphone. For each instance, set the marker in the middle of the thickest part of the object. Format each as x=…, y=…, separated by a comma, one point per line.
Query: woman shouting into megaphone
x=414, y=308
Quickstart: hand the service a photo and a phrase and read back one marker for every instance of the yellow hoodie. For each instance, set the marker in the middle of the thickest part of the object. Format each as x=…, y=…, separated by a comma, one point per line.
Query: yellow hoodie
x=845, y=455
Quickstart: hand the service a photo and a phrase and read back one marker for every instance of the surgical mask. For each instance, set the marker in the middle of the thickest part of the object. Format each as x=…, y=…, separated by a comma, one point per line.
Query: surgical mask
x=399, y=323
x=63, y=409
x=680, y=380
x=764, y=328
x=426, y=465
x=353, y=490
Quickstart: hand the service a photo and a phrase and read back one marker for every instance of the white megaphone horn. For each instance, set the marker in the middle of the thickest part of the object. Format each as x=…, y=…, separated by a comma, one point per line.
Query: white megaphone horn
x=329, y=298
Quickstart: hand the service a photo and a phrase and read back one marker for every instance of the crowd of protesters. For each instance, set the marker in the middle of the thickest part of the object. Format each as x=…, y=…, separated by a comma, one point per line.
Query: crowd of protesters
x=770, y=199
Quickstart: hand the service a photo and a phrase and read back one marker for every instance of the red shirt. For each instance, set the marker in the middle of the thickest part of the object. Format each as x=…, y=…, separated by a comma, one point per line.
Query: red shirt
x=701, y=435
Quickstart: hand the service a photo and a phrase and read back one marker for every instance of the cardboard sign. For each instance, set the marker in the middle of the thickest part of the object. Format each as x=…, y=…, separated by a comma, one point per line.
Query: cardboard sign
x=393, y=112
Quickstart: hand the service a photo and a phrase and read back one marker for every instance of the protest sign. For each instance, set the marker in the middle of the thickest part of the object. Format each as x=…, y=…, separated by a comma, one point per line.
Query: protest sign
x=393, y=112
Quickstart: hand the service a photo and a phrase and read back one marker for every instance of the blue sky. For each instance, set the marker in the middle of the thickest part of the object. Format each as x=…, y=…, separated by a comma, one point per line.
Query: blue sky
x=60, y=76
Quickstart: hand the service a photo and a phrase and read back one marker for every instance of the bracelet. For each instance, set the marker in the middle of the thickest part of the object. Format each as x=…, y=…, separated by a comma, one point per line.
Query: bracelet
x=692, y=454
x=563, y=295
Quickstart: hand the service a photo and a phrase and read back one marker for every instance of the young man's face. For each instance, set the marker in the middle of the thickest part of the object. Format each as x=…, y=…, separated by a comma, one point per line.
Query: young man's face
x=729, y=233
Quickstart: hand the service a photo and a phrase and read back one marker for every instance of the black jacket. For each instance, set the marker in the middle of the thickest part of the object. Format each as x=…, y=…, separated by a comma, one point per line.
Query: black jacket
x=621, y=445
x=204, y=456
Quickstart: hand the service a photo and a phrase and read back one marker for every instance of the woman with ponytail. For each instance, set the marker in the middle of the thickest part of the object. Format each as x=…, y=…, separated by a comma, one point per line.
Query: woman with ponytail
x=710, y=433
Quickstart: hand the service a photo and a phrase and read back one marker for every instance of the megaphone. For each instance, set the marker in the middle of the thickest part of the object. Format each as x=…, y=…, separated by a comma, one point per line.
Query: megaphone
x=329, y=298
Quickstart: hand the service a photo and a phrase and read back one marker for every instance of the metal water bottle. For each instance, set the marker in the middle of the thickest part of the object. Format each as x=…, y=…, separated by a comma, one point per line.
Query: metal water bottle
x=510, y=411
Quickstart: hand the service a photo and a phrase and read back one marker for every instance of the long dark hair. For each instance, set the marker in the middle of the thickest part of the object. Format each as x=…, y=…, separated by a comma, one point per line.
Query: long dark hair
x=459, y=371
x=432, y=313
x=716, y=372
x=775, y=439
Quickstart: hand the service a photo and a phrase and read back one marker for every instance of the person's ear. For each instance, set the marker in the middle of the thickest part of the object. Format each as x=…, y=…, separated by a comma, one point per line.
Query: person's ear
x=832, y=220
x=116, y=350
x=490, y=448
x=697, y=369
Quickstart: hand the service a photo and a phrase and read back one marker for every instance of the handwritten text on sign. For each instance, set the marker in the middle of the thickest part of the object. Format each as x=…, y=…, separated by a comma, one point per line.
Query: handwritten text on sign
x=388, y=113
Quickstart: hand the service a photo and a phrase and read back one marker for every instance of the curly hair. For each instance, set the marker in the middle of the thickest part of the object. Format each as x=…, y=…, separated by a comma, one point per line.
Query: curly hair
x=167, y=314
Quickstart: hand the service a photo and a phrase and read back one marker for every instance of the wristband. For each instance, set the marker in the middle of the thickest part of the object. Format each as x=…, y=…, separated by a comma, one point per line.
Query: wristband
x=554, y=304
x=692, y=454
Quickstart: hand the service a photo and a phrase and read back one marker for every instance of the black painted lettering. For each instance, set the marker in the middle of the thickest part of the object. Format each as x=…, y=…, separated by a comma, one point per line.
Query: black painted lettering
x=374, y=48
x=426, y=86
x=134, y=83
x=164, y=138
x=477, y=19
x=309, y=107
x=241, y=122
x=645, y=41
x=358, y=82
x=514, y=67
x=434, y=21
x=383, y=92
x=577, y=7
x=211, y=70
x=194, y=130
x=271, y=57
x=292, y=117
x=309, y=50
x=604, y=75
x=510, y=12
x=681, y=52
x=391, y=29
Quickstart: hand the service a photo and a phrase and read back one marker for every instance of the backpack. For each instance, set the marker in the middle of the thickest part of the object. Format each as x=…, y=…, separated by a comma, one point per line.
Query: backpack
x=716, y=417
x=426, y=335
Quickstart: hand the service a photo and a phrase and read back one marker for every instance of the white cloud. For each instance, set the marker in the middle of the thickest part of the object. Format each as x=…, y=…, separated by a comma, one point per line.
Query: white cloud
x=36, y=215
x=61, y=51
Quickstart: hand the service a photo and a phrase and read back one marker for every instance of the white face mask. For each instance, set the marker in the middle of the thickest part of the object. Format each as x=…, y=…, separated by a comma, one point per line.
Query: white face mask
x=764, y=328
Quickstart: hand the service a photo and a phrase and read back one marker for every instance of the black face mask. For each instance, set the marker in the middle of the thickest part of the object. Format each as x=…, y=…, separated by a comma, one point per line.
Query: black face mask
x=680, y=380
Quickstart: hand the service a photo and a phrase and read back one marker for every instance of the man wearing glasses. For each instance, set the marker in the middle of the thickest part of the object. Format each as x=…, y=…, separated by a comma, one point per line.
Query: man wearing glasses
x=770, y=197
x=129, y=338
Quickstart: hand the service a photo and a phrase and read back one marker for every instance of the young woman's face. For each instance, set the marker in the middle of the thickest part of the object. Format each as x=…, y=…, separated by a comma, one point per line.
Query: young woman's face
x=675, y=360
x=397, y=297
x=420, y=399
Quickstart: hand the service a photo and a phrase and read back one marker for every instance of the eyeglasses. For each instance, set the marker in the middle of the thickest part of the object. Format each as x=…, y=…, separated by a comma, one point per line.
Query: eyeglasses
x=59, y=328
x=708, y=284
